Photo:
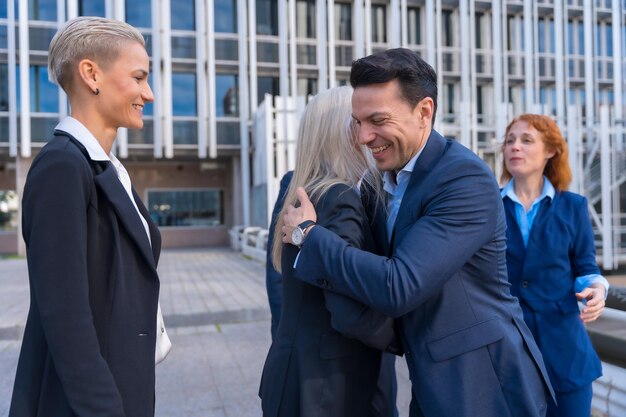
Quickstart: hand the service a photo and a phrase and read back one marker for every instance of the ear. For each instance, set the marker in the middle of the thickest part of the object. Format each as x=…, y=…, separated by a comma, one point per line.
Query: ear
x=426, y=108
x=89, y=73
x=550, y=154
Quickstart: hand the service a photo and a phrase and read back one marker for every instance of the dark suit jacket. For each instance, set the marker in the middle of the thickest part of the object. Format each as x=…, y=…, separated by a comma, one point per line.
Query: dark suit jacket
x=88, y=347
x=274, y=280
x=468, y=349
x=560, y=248
x=315, y=366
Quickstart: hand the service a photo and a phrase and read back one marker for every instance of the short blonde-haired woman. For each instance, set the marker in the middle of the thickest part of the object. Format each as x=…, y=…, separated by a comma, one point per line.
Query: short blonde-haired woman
x=325, y=357
x=92, y=249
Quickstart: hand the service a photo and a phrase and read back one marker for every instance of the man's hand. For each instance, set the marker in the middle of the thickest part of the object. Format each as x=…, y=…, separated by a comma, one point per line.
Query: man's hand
x=594, y=307
x=295, y=216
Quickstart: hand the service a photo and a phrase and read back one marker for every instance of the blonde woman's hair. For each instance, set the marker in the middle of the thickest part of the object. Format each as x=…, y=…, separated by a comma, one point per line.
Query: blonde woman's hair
x=327, y=154
x=87, y=37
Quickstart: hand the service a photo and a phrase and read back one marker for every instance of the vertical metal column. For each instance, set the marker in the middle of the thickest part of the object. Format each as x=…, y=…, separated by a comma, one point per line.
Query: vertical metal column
x=201, y=84
x=157, y=80
x=559, y=67
x=332, y=71
x=529, y=70
x=166, y=93
x=395, y=26
x=607, y=205
x=244, y=104
x=24, y=51
x=322, y=44
x=465, y=137
x=210, y=80
x=12, y=87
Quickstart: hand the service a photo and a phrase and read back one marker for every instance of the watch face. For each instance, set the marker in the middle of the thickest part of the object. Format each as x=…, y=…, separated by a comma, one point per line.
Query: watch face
x=297, y=236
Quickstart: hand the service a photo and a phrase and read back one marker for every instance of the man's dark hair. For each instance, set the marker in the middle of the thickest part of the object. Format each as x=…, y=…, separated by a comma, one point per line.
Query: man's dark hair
x=416, y=78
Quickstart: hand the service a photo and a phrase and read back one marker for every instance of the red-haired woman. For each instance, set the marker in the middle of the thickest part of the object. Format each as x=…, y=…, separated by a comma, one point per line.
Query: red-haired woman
x=551, y=258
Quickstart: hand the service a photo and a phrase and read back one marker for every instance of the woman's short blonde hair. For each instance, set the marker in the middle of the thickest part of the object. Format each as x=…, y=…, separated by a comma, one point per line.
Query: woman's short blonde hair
x=87, y=37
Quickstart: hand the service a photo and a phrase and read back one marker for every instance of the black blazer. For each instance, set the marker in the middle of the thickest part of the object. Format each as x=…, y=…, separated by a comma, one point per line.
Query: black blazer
x=316, y=366
x=88, y=347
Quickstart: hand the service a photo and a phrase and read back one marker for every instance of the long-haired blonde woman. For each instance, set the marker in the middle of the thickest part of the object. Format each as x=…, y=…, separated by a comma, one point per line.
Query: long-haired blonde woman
x=325, y=358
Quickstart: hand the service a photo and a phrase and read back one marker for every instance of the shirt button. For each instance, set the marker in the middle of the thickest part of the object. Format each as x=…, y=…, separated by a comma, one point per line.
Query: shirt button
x=524, y=284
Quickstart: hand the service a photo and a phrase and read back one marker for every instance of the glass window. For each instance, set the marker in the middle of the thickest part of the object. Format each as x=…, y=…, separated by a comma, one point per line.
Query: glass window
x=307, y=86
x=4, y=87
x=305, y=18
x=183, y=15
x=42, y=10
x=3, y=10
x=448, y=38
x=91, y=8
x=225, y=16
x=4, y=43
x=343, y=21
x=269, y=85
x=186, y=207
x=267, y=17
x=542, y=35
x=139, y=13
x=184, y=94
x=379, y=23
x=226, y=88
x=183, y=47
x=413, y=21
x=608, y=31
x=44, y=96
x=9, y=204
x=478, y=29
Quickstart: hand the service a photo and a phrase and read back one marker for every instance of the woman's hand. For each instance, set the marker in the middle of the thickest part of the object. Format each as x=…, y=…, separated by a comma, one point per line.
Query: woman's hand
x=595, y=295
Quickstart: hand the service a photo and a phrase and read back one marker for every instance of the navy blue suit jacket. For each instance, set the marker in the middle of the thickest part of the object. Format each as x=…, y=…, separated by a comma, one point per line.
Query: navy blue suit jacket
x=325, y=358
x=468, y=349
x=560, y=248
x=274, y=280
x=88, y=346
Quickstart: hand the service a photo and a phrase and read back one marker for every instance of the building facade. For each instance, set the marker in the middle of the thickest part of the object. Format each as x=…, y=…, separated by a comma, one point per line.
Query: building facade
x=214, y=61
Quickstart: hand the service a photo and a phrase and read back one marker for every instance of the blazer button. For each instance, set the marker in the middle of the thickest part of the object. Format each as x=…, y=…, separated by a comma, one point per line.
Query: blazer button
x=322, y=283
x=524, y=284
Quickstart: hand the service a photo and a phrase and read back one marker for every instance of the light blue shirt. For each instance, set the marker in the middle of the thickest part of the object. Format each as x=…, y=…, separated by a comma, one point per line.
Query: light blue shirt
x=396, y=189
x=525, y=219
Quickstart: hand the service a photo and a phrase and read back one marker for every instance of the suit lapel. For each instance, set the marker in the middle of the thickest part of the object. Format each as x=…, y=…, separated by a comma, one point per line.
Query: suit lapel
x=108, y=182
x=541, y=217
x=433, y=151
x=155, y=235
x=513, y=231
x=375, y=210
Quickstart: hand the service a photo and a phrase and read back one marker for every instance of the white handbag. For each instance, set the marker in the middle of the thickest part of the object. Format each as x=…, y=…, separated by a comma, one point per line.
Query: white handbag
x=163, y=343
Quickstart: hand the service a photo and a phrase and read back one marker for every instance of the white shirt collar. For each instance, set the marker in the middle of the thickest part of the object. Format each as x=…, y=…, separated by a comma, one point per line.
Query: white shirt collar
x=84, y=136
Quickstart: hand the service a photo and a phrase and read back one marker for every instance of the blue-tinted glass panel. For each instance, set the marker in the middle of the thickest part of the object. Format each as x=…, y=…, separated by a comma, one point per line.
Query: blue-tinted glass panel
x=183, y=47
x=148, y=108
x=3, y=9
x=267, y=17
x=139, y=13
x=226, y=95
x=225, y=16
x=4, y=87
x=184, y=94
x=343, y=21
x=4, y=44
x=39, y=38
x=186, y=207
x=44, y=96
x=269, y=85
x=542, y=35
x=609, y=40
x=91, y=8
x=228, y=133
x=42, y=10
x=185, y=132
x=183, y=15
x=143, y=136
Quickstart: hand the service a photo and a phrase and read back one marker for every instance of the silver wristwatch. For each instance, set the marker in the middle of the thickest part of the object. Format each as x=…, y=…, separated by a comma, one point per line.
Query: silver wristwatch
x=297, y=234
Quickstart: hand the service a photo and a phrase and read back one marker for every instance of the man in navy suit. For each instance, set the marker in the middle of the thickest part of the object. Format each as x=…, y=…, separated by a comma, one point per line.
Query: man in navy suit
x=444, y=275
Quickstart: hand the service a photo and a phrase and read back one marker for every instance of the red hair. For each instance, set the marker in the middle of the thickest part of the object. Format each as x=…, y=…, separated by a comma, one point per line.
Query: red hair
x=557, y=169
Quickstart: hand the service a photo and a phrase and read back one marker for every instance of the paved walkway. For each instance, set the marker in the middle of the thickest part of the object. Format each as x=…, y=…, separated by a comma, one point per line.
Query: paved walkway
x=216, y=312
